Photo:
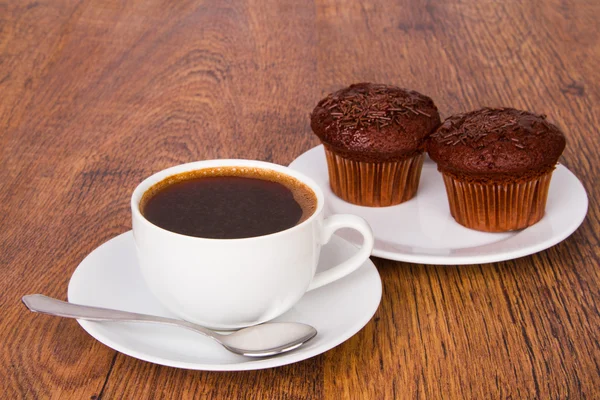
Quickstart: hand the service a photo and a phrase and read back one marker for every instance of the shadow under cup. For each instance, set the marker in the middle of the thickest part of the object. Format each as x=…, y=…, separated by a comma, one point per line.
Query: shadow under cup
x=233, y=283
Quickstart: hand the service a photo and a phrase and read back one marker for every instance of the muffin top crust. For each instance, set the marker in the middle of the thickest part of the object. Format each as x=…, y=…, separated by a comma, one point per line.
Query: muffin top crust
x=494, y=142
x=375, y=122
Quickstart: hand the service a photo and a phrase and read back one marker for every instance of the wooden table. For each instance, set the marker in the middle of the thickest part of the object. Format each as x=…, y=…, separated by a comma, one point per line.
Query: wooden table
x=97, y=95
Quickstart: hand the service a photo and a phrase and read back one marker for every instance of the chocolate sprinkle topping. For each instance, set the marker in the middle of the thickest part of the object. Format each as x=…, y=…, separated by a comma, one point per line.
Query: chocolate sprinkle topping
x=377, y=106
x=471, y=128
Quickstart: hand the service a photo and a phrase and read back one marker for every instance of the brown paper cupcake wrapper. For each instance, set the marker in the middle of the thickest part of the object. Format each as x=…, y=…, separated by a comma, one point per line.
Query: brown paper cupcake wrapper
x=374, y=184
x=497, y=207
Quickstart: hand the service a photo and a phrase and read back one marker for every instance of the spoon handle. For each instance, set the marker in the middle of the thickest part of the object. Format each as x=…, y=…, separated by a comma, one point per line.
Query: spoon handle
x=48, y=305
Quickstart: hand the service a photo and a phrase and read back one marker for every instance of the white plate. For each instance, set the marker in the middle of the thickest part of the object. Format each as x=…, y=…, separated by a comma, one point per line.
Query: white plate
x=109, y=277
x=423, y=231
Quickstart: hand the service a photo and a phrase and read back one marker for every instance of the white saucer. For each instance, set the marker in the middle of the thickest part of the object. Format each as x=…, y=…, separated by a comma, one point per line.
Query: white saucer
x=423, y=231
x=109, y=277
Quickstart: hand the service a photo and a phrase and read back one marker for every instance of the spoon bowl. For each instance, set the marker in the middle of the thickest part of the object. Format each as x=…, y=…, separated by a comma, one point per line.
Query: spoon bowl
x=262, y=340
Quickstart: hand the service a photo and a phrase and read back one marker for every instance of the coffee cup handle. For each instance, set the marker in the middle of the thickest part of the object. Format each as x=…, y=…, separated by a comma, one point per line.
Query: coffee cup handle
x=332, y=224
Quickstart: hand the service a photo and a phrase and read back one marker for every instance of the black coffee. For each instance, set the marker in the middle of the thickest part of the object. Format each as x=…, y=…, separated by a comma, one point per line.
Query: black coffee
x=228, y=203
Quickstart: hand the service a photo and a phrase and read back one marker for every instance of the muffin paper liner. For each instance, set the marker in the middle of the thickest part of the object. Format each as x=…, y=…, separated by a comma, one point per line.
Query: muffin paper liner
x=374, y=184
x=497, y=207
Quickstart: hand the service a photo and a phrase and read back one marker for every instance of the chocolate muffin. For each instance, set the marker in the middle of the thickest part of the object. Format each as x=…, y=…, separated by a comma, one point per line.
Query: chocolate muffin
x=374, y=137
x=497, y=164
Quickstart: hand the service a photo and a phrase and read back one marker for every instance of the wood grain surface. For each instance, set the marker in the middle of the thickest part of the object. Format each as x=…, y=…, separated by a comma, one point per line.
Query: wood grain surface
x=96, y=95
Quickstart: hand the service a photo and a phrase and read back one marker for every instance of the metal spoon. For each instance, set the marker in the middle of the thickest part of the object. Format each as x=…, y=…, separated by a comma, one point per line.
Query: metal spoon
x=262, y=340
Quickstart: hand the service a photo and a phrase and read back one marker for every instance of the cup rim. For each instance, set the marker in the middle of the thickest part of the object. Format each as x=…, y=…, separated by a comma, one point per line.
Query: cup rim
x=143, y=186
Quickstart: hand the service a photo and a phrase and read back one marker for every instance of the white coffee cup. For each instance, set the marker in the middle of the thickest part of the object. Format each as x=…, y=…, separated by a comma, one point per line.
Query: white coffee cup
x=233, y=283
